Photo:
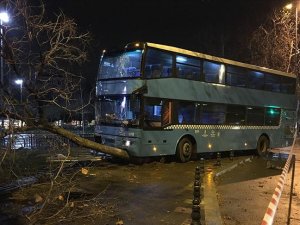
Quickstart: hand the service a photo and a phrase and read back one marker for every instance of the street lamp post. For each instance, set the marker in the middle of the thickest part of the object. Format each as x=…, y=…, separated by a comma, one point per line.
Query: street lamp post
x=20, y=82
x=4, y=18
x=289, y=7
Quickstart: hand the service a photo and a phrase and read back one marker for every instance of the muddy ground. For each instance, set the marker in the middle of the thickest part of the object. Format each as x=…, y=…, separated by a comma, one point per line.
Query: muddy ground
x=110, y=193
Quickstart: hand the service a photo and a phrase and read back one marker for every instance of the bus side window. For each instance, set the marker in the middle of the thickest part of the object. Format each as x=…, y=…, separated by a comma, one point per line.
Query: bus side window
x=160, y=62
x=287, y=85
x=166, y=115
x=156, y=71
x=180, y=118
x=147, y=72
x=256, y=80
x=188, y=67
x=167, y=71
x=152, y=113
x=236, y=115
x=272, y=83
x=186, y=112
x=214, y=72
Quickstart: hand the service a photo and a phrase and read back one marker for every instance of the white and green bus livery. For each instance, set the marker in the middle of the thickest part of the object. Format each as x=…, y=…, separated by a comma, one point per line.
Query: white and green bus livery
x=158, y=100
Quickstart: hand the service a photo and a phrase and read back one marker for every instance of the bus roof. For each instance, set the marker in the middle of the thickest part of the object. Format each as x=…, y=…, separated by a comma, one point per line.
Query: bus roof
x=218, y=59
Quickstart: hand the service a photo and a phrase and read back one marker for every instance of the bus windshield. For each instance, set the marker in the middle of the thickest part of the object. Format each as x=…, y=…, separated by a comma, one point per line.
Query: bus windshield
x=121, y=65
x=118, y=110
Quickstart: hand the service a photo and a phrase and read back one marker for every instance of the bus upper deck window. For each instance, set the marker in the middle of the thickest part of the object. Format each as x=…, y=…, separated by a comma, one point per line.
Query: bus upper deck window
x=188, y=67
x=288, y=85
x=214, y=72
x=158, y=64
x=237, y=76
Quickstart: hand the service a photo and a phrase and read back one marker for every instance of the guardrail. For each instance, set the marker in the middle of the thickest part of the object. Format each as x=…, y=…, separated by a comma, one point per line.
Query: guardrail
x=37, y=139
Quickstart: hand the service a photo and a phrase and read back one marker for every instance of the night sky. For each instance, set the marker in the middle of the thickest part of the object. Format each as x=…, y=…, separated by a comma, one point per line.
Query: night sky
x=208, y=26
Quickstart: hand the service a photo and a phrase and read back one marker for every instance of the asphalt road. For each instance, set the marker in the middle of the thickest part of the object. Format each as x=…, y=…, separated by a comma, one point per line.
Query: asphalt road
x=162, y=193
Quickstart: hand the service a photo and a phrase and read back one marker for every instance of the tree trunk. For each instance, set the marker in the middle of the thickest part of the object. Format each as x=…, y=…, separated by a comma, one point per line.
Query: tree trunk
x=85, y=142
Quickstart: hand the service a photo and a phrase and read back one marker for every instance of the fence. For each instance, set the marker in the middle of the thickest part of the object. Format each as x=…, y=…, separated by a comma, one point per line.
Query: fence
x=38, y=139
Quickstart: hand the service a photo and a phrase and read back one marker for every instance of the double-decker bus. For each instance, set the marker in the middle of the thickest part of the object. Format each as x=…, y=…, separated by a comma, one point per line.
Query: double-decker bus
x=157, y=100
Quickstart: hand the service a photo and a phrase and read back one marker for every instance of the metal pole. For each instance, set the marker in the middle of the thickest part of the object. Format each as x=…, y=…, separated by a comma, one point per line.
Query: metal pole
x=296, y=30
x=82, y=112
x=291, y=190
x=296, y=35
x=1, y=45
x=21, y=92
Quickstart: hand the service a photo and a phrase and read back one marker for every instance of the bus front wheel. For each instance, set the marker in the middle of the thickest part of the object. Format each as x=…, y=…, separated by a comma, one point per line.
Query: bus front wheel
x=263, y=145
x=184, y=150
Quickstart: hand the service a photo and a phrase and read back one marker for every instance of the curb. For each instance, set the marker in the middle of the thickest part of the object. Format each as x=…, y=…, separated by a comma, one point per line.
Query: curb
x=233, y=166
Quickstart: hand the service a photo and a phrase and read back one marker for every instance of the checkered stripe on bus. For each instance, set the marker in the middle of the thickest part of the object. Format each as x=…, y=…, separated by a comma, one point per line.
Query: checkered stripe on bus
x=220, y=127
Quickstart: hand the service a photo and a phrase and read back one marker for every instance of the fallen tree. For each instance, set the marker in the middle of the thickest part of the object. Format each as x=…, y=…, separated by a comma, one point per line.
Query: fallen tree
x=46, y=53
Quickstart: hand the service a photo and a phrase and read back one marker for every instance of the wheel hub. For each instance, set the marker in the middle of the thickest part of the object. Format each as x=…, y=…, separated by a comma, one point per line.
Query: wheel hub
x=186, y=149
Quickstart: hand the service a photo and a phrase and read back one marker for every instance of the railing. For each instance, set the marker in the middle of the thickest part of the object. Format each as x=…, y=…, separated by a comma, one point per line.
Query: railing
x=39, y=139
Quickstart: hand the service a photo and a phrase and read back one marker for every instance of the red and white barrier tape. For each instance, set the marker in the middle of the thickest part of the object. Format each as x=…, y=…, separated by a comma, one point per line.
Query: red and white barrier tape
x=272, y=207
x=271, y=210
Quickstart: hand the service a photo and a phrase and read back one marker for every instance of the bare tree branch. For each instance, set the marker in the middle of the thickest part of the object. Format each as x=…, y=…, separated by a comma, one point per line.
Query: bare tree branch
x=46, y=51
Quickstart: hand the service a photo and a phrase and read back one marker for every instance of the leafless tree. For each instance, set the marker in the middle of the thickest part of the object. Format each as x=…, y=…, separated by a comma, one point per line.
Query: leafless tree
x=47, y=52
x=273, y=44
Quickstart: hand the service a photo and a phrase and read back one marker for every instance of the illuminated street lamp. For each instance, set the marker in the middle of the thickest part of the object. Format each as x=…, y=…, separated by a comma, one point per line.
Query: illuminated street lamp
x=4, y=18
x=289, y=6
x=20, y=82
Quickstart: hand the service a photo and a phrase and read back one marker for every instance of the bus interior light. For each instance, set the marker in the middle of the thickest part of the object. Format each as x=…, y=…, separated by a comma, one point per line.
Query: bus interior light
x=181, y=59
x=220, y=85
x=209, y=146
x=221, y=73
x=245, y=144
x=272, y=111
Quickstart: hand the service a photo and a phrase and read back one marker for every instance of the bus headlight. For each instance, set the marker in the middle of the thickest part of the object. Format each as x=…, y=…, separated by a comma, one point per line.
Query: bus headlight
x=127, y=143
x=154, y=148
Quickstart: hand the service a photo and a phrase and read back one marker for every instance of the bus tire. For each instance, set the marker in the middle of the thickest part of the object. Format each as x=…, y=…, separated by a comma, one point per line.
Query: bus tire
x=263, y=145
x=184, y=150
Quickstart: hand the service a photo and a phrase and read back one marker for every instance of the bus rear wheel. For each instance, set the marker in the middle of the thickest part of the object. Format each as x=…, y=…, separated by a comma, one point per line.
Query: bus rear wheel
x=184, y=150
x=263, y=145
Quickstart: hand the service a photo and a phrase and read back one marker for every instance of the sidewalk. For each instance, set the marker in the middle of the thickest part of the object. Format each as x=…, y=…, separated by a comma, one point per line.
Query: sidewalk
x=296, y=151
x=210, y=201
x=282, y=197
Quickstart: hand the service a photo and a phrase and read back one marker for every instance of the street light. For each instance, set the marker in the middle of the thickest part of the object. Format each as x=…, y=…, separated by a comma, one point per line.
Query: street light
x=20, y=82
x=289, y=6
x=4, y=18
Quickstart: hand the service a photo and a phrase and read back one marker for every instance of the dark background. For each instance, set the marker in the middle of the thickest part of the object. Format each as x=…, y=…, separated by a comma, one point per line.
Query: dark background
x=184, y=23
x=216, y=27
